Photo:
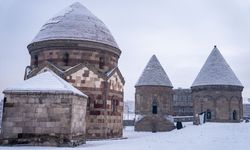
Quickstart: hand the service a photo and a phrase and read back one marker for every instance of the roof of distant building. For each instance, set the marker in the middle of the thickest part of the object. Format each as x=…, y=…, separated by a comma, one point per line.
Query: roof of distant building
x=154, y=74
x=216, y=71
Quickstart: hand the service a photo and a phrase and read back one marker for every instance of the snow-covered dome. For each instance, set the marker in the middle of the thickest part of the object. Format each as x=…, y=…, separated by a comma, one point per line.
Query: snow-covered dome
x=76, y=22
x=216, y=71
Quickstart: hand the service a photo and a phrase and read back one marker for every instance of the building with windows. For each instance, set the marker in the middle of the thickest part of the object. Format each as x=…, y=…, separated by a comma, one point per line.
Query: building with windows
x=182, y=102
x=246, y=109
x=217, y=91
x=153, y=99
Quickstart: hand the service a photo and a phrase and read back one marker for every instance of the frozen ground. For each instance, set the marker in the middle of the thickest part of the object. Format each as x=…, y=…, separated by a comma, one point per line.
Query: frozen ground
x=210, y=136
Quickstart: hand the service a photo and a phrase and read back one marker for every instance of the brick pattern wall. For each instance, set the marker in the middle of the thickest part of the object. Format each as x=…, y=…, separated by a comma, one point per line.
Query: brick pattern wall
x=105, y=102
x=44, y=119
x=103, y=121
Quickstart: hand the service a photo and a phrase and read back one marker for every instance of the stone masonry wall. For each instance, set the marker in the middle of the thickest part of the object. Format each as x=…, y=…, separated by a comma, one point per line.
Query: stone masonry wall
x=221, y=101
x=103, y=120
x=145, y=96
x=78, y=52
x=44, y=119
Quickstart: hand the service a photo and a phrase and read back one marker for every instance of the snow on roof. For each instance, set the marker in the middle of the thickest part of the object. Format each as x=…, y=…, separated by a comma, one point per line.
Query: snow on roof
x=45, y=82
x=216, y=71
x=154, y=74
x=78, y=23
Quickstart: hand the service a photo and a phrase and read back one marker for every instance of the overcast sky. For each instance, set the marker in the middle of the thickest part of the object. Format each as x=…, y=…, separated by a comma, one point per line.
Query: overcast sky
x=181, y=33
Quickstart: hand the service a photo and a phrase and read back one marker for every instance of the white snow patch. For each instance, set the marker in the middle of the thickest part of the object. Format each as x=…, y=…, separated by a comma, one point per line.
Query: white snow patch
x=44, y=82
x=210, y=136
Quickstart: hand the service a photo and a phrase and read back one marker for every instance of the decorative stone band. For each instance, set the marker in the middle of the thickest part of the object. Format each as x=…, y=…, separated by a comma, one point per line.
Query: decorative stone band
x=71, y=44
x=217, y=87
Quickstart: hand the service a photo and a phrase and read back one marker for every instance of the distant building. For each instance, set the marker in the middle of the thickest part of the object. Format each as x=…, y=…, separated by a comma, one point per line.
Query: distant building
x=153, y=98
x=217, y=91
x=246, y=109
x=182, y=102
x=44, y=110
x=129, y=110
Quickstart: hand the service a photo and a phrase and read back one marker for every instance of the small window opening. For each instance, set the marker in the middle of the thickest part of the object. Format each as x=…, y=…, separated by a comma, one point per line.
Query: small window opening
x=66, y=59
x=36, y=61
x=101, y=63
x=209, y=115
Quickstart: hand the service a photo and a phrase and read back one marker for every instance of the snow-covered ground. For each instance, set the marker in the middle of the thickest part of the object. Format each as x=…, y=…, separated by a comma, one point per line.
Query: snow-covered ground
x=210, y=136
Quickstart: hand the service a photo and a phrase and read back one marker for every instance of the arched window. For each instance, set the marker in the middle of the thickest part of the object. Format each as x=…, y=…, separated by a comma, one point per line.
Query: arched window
x=209, y=114
x=36, y=60
x=154, y=106
x=234, y=115
x=101, y=63
x=66, y=59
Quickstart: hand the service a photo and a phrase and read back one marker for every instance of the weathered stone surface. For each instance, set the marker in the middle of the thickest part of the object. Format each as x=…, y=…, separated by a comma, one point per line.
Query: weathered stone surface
x=146, y=97
x=221, y=101
x=154, y=123
x=48, y=123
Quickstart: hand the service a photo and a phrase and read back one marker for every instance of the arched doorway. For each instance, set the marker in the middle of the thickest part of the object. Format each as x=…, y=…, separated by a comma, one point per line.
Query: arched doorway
x=234, y=115
x=209, y=114
x=154, y=106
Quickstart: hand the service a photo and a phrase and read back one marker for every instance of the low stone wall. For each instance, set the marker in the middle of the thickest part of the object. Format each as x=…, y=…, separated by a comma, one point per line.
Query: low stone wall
x=43, y=119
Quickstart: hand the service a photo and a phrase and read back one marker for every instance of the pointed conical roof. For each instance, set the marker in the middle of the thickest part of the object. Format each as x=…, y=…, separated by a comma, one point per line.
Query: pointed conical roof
x=46, y=82
x=154, y=74
x=216, y=71
x=78, y=23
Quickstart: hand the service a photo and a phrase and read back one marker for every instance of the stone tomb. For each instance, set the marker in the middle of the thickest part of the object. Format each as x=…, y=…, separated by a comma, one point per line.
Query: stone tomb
x=44, y=110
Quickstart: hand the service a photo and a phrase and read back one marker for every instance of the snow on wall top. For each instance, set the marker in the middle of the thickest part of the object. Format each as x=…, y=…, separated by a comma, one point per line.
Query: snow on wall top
x=45, y=82
x=216, y=71
x=154, y=74
x=78, y=23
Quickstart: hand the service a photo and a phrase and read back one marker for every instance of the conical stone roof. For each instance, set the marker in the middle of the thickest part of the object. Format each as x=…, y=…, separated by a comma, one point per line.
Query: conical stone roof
x=216, y=71
x=76, y=22
x=154, y=74
x=46, y=82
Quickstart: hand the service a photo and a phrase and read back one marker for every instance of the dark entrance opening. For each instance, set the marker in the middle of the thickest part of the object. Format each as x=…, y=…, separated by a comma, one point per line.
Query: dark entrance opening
x=154, y=109
x=154, y=106
x=209, y=114
x=234, y=115
x=66, y=59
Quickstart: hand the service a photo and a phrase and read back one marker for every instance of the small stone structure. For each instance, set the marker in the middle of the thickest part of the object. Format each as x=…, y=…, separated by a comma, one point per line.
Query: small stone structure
x=153, y=98
x=44, y=110
x=217, y=91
